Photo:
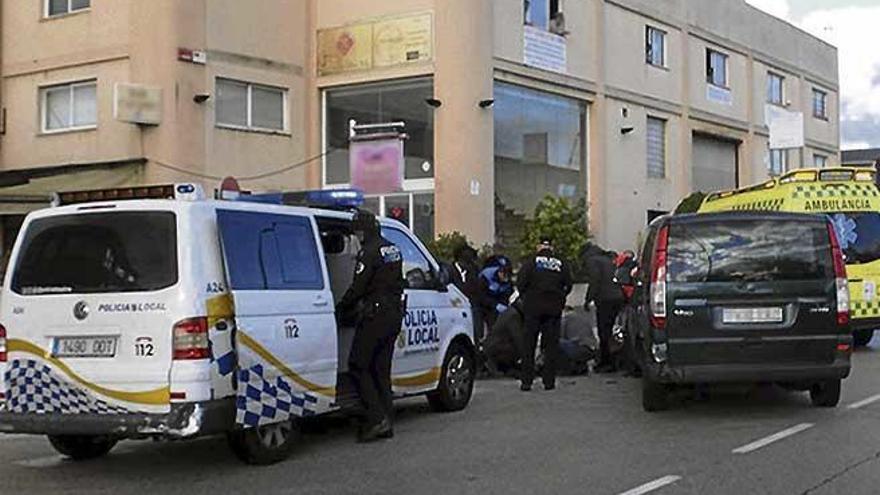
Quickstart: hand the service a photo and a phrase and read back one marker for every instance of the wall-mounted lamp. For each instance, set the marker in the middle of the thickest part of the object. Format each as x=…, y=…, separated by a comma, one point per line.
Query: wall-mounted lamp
x=433, y=102
x=627, y=129
x=486, y=103
x=201, y=97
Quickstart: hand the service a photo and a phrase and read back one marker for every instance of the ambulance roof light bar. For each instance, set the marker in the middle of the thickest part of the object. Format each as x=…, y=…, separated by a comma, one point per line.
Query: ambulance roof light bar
x=183, y=192
x=335, y=199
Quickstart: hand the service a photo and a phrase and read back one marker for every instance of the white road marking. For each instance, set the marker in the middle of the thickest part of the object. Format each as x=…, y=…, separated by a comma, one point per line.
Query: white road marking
x=653, y=485
x=41, y=462
x=862, y=403
x=763, y=442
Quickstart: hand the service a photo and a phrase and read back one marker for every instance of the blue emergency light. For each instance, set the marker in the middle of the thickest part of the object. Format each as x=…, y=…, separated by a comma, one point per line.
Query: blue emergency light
x=323, y=198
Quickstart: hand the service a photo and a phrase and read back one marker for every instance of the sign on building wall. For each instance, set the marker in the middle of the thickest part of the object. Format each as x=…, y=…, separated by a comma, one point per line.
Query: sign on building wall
x=544, y=50
x=385, y=42
x=137, y=104
x=719, y=95
x=786, y=128
x=376, y=163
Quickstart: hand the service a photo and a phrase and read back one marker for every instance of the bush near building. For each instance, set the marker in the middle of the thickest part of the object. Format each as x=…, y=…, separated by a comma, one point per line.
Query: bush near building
x=563, y=221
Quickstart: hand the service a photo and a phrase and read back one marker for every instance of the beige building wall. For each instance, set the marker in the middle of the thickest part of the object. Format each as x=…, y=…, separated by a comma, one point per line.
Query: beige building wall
x=476, y=42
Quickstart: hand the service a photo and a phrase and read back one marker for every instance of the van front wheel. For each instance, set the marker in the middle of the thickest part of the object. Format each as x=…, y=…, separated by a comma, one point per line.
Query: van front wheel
x=82, y=447
x=456, y=381
x=263, y=445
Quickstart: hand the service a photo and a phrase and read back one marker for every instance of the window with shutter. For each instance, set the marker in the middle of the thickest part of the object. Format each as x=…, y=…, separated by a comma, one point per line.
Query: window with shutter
x=656, y=150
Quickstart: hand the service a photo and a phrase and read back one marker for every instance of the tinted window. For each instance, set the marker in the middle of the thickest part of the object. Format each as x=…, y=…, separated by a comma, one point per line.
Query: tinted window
x=100, y=252
x=412, y=256
x=274, y=252
x=859, y=236
x=749, y=250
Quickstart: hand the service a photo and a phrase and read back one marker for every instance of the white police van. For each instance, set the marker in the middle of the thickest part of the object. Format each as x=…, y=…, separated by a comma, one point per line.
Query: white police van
x=129, y=317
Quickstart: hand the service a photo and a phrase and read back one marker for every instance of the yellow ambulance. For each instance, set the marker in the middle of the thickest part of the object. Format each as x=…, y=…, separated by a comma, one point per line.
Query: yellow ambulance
x=850, y=197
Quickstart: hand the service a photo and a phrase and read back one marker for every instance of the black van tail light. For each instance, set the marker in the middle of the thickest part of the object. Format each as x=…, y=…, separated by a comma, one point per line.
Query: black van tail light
x=191, y=339
x=840, y=281
x=2, y=344
x=658, y=280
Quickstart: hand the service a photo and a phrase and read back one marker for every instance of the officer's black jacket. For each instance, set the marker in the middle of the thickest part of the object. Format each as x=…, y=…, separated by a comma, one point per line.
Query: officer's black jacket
x=544, y=281
x=378, y=274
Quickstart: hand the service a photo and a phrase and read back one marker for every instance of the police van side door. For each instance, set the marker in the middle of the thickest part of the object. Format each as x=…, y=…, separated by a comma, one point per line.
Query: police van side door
x=285, y=324
x=416, y=354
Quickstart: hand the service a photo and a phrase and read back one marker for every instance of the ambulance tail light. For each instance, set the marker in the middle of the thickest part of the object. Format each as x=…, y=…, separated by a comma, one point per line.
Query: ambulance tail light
x=840, y=281
x=191, y=339
x=2, y=344
x=658, y=280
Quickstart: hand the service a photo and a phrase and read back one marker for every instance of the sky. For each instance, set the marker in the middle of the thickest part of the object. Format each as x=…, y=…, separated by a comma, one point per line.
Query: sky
x=851, y=26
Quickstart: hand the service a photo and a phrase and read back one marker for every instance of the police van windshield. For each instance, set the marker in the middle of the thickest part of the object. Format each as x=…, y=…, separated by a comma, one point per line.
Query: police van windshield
x=859, y=235
x=749, y=250
x=99, y=252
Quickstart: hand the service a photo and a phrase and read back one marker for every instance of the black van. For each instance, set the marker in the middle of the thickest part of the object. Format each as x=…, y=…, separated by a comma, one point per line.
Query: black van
x=741, y=297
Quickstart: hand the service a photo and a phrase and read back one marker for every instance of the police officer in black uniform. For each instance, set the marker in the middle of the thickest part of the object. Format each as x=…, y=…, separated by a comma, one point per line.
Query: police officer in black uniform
x=544, y=282
x=376, y=293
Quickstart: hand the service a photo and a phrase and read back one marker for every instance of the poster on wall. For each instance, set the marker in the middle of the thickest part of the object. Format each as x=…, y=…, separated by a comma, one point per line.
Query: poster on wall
x=544, y=50
x=786, y=128
x=377, y=163
x=385, y=42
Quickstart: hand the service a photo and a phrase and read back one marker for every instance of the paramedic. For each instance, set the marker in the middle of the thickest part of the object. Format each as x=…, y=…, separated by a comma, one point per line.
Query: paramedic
x=544, y=282
x=378, y=289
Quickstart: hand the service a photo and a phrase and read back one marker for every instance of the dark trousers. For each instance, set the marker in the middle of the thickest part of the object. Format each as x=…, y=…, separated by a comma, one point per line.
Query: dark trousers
x=606, y=313
x=370, y=364
x=547, y=326
x=479, y=324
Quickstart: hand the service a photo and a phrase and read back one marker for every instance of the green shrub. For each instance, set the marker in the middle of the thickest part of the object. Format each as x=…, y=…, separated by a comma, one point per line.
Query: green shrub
x=444, y=246
x=561, y=220
x=690, y=204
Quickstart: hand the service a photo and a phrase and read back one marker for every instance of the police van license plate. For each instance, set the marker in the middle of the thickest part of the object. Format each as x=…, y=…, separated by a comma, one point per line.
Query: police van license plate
x=752, y=315
x=86, y=347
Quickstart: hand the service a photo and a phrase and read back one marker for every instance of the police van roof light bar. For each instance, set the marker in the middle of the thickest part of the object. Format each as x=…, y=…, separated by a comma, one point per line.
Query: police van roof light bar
x=324, y=198
x=165, y=191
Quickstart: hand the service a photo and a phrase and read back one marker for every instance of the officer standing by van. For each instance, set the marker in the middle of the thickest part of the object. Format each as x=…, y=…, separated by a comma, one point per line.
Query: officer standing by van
x=377, y=293
x=544, y=283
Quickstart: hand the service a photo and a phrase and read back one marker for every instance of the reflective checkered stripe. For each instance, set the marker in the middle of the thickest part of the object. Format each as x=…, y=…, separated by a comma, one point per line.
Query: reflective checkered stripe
x=822, y=191
x=266, y=399
x=865, y=309
x=762, y=205
x=32, y=387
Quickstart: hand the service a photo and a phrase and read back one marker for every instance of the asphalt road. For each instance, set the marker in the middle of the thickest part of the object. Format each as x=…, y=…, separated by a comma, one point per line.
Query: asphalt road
x=589, y=436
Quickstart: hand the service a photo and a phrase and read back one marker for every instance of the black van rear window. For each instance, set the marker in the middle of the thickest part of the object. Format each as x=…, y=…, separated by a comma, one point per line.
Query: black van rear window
x=753, y=250
x=98, y=252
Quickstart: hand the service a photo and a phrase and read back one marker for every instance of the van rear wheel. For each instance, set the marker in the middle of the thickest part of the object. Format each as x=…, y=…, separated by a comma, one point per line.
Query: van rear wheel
x=82, y=447
x=826, y=393
x=861, y=338
x=263, y=445
x=456, y=381
x=655, y=396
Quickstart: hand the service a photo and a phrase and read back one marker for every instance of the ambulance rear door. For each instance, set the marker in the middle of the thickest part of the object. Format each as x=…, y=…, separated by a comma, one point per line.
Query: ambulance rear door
x=284, y=315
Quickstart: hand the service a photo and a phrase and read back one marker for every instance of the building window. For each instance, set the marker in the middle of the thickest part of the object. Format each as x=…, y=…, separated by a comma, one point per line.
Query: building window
x=820, y=161
x=544, y=14
x=775, y=89
x=69, y=106
x=656, y=137
x=61, y=7
x=400, y=101
x=778, y=162
x=820, y=104
x=716, y=68
x=540, y=150
x=242, y=105
x=655, y=46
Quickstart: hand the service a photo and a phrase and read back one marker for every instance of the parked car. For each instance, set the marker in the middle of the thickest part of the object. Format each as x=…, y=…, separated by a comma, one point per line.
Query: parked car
x=742, y=297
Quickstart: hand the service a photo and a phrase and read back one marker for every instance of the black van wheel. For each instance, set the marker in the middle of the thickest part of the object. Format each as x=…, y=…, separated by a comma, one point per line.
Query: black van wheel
x=456, y=381
x=861, y=338
x=265, y=444
x=825, y=394
x=655, y=396
x=82, y=447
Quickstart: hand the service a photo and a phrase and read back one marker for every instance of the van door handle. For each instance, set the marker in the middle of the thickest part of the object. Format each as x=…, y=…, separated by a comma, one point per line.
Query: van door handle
x=320, y=301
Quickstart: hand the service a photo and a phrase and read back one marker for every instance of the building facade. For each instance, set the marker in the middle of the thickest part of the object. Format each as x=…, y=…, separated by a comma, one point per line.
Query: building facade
x=628, y=105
